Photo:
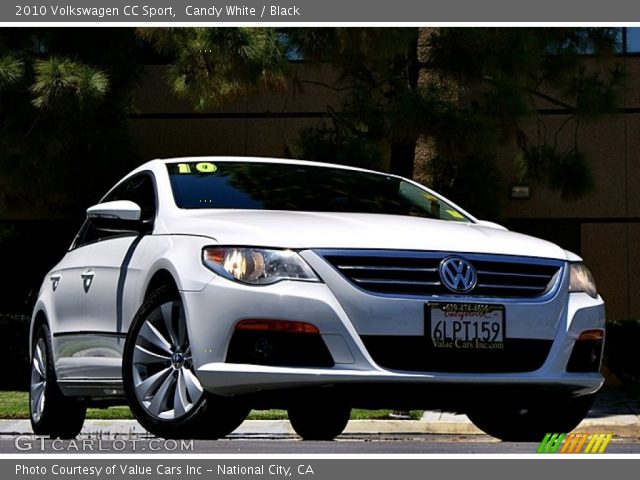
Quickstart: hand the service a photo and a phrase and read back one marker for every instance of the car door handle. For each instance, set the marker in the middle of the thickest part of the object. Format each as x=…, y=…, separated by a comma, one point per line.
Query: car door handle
x=55, y=280
x=87, y=278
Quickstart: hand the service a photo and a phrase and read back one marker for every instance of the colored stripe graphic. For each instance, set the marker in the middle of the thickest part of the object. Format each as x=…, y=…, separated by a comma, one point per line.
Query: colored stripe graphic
x=551, y=442
x=598, y=443
x=574, y=443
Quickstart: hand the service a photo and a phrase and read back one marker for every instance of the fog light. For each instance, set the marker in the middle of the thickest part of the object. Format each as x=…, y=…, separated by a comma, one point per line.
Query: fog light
x=263, y=349
x=586, y=355
x=282, y=343
x=285, y=326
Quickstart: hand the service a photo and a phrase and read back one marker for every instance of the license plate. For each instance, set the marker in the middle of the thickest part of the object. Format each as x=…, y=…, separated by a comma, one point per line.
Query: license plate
x=472, y=326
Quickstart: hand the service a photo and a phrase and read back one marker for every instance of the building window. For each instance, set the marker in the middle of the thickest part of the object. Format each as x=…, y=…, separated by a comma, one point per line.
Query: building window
x=293, y=53
x=632, y=40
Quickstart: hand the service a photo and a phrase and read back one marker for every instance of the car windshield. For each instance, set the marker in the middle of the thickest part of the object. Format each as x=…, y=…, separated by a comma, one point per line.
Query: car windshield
x=280, y=186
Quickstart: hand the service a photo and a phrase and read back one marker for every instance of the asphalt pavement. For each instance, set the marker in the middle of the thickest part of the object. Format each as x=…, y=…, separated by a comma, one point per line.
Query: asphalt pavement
x=615, y=411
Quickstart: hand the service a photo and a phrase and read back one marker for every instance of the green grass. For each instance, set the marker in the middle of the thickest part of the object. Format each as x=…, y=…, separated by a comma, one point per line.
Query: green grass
x=356, y=414
x=14, y=405
x=111, y=413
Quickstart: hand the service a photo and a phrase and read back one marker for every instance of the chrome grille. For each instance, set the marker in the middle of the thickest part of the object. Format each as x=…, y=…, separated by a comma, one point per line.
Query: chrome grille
x=417, y=273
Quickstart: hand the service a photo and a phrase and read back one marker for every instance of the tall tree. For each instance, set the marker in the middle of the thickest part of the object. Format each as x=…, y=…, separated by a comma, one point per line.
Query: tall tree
x=500, y=78
x=468, y=92
x=378, y=74
x=212, y=66
x=63, y=134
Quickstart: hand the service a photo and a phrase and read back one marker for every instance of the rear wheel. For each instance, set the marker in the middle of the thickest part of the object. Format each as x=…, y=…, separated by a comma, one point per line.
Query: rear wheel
x=51, y=413
x=159, y=377
x=325, y=422
x=531, y=422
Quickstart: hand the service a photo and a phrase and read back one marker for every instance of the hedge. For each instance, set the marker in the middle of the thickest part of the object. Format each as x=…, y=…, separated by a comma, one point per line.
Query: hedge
x=14, y=335
x=622, y=350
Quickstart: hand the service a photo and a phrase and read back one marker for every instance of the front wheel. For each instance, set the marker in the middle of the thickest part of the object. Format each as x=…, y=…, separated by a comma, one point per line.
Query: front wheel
x=159, y=377
x=531, y=422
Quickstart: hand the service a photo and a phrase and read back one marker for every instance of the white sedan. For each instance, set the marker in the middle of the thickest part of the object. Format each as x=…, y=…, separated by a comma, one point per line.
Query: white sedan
x=200, y=288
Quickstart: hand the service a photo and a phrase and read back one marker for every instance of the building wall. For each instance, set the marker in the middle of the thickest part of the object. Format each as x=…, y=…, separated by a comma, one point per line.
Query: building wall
x=606, y=222
x=264, y=125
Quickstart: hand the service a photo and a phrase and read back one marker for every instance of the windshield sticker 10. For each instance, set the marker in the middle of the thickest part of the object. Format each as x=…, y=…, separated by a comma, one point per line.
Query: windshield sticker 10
x=454, y=213
x=200, y=167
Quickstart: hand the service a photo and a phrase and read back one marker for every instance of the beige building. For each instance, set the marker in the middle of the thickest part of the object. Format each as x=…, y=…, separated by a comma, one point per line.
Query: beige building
x=604, y=227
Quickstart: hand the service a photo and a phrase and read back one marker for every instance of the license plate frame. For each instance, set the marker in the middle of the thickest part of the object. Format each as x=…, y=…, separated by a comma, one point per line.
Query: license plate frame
x=448, y=318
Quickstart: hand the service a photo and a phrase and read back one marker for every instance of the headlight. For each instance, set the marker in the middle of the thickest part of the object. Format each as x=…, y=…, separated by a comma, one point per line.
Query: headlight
x=257, y=266
x=581, y=280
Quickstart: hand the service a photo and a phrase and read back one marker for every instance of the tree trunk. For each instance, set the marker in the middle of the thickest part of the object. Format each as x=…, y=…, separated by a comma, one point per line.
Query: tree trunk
x=403, y=143
x=425, y=146
x=402, y=156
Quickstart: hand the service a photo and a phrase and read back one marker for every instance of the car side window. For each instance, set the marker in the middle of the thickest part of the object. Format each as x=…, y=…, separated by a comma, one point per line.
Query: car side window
x=139, y=189
x=87, y=234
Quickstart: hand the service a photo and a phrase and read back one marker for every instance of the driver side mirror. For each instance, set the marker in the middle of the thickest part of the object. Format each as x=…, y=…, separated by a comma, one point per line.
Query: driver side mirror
x=117, y=216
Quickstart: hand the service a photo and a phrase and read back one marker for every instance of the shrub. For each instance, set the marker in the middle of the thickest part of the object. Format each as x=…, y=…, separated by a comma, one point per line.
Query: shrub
x=622, y=349
x=14, y=332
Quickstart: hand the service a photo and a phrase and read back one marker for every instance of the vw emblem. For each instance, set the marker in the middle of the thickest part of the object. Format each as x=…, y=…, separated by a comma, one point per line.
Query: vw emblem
x=177, y=360
x=458, y=275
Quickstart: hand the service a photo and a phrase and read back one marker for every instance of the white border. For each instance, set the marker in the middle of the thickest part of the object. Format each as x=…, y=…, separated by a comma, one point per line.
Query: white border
x=134, y=24
x=318, y=456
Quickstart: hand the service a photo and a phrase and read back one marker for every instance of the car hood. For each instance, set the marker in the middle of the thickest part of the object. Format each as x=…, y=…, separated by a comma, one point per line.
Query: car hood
x=307, y=230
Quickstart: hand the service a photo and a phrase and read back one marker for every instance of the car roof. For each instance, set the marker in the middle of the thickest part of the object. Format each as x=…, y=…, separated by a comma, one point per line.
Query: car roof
x=274, y=160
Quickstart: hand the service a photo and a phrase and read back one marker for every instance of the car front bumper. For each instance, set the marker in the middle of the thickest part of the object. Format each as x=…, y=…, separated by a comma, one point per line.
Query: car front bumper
x=344, y=314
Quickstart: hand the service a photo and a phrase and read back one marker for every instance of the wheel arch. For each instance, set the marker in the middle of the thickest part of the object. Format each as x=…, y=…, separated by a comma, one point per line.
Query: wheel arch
x=168, y=260
x=160, y=278
x=39, y=318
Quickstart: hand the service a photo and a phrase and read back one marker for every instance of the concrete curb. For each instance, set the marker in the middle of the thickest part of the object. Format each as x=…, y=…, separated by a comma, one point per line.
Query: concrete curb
x=627, y=425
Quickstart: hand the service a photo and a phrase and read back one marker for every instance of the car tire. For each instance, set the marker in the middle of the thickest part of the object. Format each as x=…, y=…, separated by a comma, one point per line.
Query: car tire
x=159, y=378
x=50, y=412
x=325, y=421
x=531, y=423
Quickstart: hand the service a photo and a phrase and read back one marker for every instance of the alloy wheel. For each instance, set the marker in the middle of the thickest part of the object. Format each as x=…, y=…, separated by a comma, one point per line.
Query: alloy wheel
x=38, y=380
x=163, y=374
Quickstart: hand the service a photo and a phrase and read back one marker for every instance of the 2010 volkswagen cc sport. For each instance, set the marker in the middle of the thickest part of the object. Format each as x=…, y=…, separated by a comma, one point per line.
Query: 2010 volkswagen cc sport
x=200, y=288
